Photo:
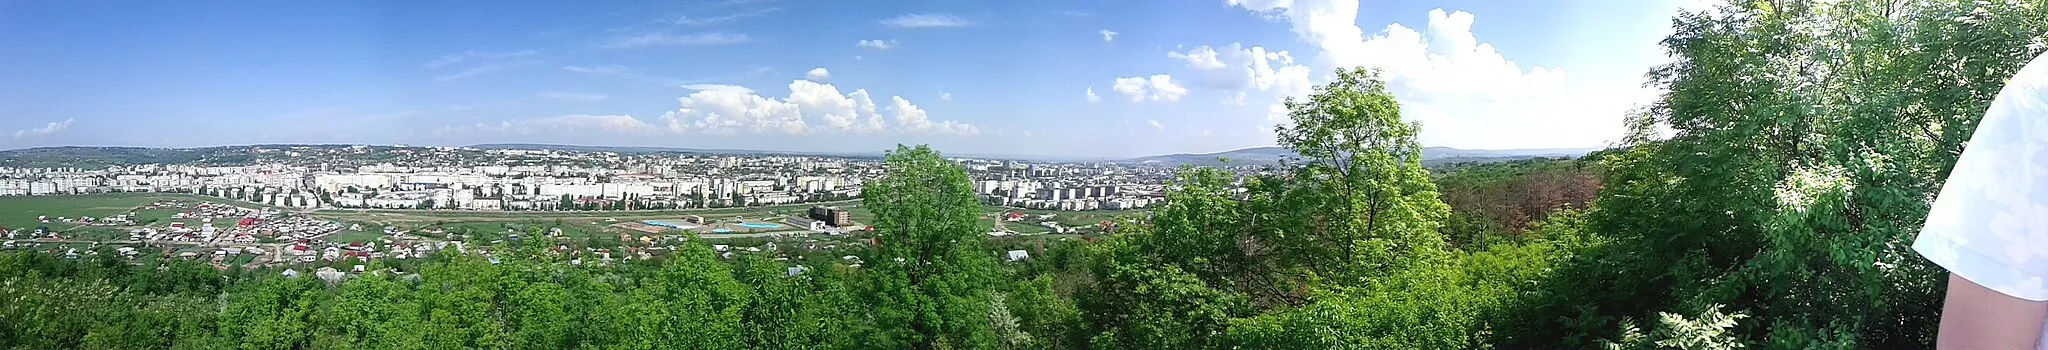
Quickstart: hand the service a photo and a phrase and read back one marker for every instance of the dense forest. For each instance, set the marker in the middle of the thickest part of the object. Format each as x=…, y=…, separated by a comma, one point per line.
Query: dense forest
x=1767, y=199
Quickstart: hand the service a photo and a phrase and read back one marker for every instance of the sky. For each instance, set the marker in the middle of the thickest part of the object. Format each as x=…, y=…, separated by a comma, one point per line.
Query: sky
x=1047, y=78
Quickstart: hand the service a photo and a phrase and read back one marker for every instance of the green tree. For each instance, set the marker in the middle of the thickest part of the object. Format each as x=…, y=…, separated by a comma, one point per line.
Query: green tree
x=929, y=276
x=1806, y=139
x=705, y=301
x=1358, y=203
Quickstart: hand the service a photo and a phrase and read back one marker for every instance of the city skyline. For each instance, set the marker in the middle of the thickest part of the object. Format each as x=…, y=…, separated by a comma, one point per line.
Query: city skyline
x=1048, y=78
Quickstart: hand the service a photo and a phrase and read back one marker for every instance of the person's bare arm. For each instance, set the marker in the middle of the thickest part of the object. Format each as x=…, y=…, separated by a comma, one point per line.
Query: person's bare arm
x=1975, y=317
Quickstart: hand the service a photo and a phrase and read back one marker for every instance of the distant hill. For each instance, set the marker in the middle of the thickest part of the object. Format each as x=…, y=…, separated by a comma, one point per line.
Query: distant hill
x=94, y=157
x=649, y=149
x=729, y=151
x=1251, y=156
x=1431, y=156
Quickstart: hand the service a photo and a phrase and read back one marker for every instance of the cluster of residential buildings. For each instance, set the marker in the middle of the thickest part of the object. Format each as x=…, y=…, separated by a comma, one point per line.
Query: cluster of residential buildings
x=1056, y=195
x=456, y=178
x=221, y=223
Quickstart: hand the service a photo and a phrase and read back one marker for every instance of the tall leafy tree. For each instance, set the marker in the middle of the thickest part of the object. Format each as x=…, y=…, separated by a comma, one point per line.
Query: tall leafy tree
x=930, y=275
x=1357, y=203
x=1808, y=137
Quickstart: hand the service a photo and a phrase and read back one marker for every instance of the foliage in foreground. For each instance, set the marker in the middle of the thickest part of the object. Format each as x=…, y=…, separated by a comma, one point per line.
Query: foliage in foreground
x=1808, y=139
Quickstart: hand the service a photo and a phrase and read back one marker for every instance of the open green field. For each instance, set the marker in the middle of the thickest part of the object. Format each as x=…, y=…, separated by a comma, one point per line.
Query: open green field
x=354, y=236
x=97, y=233
x=495, y=230
x=21, y=211
x=1070, y=218
x=149, y=216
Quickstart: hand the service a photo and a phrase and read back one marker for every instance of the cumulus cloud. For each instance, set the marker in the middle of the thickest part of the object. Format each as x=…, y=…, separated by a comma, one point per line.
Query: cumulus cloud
x=946, y=96
x=662, y=39
x=1235, y=67
x=724, y=87
x=620, y=124
x=1236, y=100
x=818, y=75
x=50, y=128
x=1156, y=126
x=1202, y=58
x=1158, y=87
x=926, y=20
x=574, y=96
x=913, y=119
x=1092, y=97
x=1107, y=35
x=877, y=44
x=723, y=110
x=1277, y=114
x=1464, y=91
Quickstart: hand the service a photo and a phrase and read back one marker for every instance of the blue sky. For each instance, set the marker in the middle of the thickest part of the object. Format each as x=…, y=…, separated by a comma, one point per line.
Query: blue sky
x=1007, y=77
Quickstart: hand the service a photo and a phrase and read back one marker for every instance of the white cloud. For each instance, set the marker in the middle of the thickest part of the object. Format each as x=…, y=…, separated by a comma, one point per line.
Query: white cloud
x=1158, y=87
x=714, y=20
x=1107, y=35
x=946, y=96
x=618, y=124
x=50, y=128
x=670, y=39
x=1464, y=91
x=609, y=69
x=1277, y=114
x=574, y=96
x=731, y=110
x=723, y=87
x=467, y=55
x=1156, y=127
x=1201, y=58
x=818, y=75
x=481, y=69
x=913, y=119
x=727, y=111
x=1235, y=67
x=485, y=62
x=926, y=20
x=1092, y=97
x=877, y=44
x=623, y=72
x=1236, y=100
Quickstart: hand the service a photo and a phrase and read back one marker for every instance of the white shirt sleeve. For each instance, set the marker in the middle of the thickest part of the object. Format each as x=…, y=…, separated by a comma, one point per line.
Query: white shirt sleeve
x=1989, y=224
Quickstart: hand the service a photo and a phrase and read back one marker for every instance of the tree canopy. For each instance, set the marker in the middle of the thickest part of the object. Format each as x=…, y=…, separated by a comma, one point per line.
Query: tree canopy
x=1767, y=199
